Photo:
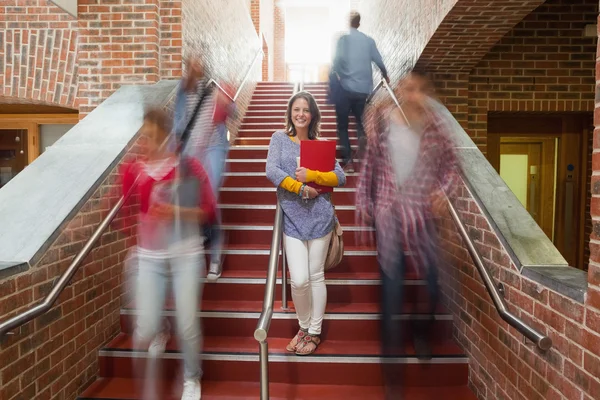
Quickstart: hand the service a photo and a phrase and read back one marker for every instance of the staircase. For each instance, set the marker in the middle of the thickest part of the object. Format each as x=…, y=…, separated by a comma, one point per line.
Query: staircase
x=346, y=365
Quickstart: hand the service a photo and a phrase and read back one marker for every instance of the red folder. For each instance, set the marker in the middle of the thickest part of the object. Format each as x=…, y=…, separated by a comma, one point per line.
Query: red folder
x=318, y=155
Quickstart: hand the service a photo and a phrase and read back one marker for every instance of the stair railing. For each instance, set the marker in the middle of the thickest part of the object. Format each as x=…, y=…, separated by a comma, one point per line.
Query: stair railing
x=542, y=341
x=6, y=327
x=261, y=332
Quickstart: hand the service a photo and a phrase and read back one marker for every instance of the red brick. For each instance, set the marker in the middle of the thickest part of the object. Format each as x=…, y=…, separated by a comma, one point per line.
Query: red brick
x=593, y=298
x=566, y=307
x=550, y=317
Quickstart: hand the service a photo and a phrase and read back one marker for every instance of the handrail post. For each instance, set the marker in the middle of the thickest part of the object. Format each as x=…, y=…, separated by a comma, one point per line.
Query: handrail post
x=284, y=299
x=263, y=348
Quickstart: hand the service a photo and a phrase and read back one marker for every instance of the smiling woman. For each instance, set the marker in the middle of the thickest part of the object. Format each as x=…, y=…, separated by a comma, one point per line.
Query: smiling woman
x=308, y=218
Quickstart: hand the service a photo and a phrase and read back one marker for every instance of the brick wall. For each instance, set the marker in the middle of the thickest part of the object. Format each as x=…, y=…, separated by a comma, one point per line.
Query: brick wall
x=51, y=58
x=501, y=365
x=119, y=44
x=544, y=64
x=266, y=60
x=171, y=40
x=55, y=355
x=401, y=40
x=267, y=12
x=255, y=14
x=278, y=53
x=38, y=54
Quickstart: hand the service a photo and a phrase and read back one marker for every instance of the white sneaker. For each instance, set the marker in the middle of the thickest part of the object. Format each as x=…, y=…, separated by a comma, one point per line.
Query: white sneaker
x=214, y=271
x=158, y=344
x=191, y=390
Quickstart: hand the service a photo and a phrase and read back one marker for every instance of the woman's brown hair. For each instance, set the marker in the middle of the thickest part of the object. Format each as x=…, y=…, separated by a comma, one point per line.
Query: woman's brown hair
x=160, y=118
x=315, y=113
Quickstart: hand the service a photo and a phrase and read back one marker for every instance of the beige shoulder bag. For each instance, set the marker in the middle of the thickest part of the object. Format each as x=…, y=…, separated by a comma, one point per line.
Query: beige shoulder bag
x=336, y=246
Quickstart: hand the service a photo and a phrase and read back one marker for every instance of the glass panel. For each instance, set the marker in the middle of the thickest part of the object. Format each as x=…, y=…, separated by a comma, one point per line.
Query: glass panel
x=6, y=174
x=50, y=133
x=513, y=170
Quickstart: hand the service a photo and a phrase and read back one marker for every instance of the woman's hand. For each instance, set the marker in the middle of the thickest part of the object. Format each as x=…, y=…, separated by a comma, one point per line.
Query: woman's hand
x=312, y=192
x=301, y=174
x=309, y=193
x=162, y=211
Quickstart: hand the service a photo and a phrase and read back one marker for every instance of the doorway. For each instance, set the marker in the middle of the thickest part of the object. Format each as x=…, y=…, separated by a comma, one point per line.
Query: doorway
x=13, y=153
x=312, y=28
x=543, y=160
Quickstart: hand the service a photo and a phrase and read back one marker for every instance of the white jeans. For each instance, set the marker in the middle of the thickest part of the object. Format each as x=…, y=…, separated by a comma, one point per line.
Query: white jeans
x=306, y=262
x=185, y=271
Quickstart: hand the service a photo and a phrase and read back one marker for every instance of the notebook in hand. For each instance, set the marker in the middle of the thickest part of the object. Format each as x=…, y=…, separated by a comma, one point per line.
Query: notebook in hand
x=318, y=155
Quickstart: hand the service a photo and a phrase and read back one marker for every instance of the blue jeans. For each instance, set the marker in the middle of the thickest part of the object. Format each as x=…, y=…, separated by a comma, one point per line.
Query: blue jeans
x=392, y=307
x=215, y=159
x=152, y=279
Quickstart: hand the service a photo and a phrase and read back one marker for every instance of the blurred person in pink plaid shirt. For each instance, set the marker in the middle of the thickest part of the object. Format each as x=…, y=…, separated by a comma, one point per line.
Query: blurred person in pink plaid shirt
x=409, y=168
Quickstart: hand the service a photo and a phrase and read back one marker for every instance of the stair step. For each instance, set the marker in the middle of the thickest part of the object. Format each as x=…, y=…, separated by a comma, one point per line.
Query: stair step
x=262, y=234
x=256, y=258
x=259, y=179
x=266, y=195
x=235, y=358
x=214, y=345
x=338, y=291
x=129, y=389
x=341, y=321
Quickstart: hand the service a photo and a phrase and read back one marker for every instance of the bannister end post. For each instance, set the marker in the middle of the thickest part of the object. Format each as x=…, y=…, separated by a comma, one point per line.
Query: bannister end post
x=545, y=343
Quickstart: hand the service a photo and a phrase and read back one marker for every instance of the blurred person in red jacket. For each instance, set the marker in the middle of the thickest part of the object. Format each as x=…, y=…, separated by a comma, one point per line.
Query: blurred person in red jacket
x=409, y=169
x=175, y=198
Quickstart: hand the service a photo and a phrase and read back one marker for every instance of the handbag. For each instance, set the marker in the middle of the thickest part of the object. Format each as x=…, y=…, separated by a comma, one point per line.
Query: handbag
x=335, y=253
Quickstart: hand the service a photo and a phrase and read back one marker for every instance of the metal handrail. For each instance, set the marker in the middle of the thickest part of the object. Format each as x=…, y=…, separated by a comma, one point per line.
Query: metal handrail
x=258, y=53
x=43, y=307
x=261, y=332
x=63, y=281
x=542, y=341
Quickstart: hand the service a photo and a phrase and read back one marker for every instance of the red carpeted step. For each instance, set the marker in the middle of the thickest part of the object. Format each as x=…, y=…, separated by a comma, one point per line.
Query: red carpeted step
x=337, y=362
x=129, y=389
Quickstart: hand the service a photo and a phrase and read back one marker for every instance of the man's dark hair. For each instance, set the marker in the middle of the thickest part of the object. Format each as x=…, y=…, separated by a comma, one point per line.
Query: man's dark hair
x=354, y=19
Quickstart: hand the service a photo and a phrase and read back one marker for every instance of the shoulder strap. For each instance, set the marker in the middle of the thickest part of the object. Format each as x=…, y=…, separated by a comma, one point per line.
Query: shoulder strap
x=192, y=121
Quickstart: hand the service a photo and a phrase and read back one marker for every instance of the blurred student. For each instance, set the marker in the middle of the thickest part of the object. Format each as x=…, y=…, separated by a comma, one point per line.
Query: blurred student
x=409, y=168
x=175, y=198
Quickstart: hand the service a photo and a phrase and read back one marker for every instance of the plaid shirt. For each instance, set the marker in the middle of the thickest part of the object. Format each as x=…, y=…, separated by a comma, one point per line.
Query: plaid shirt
x=401, y=215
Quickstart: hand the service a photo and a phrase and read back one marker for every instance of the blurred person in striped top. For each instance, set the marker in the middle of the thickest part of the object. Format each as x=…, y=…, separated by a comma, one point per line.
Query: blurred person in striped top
x=409, y=169
x=201, y=114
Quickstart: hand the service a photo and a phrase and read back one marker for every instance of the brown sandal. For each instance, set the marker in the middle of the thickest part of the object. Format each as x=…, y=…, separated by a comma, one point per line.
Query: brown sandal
x=293, y=345
x=308, y=341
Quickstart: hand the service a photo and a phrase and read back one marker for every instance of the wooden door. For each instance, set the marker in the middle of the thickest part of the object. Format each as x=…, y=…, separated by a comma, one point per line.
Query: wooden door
x=528, y=167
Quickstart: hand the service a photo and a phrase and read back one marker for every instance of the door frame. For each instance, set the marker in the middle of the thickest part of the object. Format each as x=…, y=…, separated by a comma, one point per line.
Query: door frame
x=32, y=122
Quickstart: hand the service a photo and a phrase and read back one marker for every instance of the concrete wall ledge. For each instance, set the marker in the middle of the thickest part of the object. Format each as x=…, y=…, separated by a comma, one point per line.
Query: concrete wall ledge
x=46, y=194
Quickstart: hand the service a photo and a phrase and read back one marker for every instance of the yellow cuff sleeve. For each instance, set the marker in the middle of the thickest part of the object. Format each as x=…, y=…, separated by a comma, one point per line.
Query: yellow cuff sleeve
x=291, y=185
x=322, y=178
